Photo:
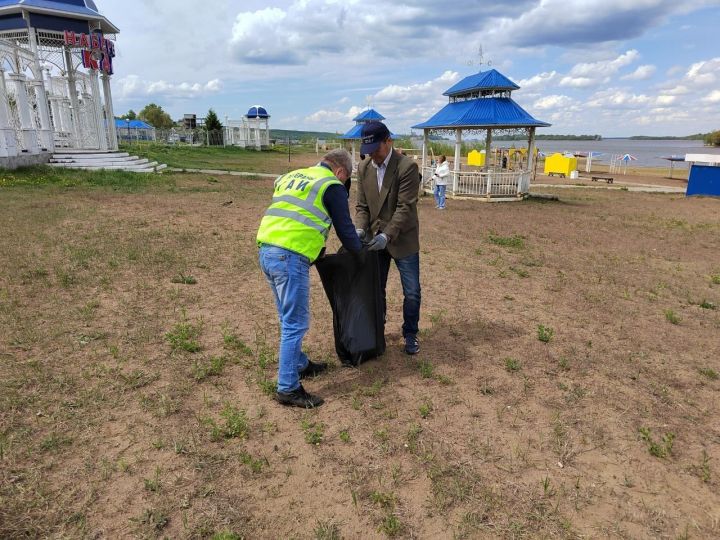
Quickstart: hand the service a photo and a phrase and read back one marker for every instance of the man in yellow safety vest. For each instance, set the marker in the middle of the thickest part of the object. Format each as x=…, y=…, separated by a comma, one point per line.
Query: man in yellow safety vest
x=292, y=234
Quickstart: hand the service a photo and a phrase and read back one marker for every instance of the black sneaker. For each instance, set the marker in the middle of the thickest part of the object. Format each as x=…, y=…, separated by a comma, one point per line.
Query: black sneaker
x=299, y=398
x=412, y=345
x=313, y=369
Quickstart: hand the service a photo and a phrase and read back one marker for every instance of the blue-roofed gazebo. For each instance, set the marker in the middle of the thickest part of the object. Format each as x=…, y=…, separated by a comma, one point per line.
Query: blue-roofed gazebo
x=134, y=130
x=483, y=102
x=355, y=132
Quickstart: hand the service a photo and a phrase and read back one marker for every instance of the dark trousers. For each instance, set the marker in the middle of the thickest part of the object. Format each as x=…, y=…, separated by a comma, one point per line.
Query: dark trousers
x=409, y=268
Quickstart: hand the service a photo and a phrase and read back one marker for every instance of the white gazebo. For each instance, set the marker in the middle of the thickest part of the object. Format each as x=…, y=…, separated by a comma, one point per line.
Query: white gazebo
x=253, y=131
x=56, y=61
x=482, y=103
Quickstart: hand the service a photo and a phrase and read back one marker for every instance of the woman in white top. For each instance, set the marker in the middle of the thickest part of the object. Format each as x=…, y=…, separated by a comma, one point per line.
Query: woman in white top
x=441, y=175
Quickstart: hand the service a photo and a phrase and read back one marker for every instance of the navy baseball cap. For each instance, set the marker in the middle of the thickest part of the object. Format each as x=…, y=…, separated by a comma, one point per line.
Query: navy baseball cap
x=373, y=133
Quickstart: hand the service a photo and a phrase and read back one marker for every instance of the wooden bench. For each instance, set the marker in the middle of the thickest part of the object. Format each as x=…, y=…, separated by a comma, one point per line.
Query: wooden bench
x=608, y=179
x=560, y=174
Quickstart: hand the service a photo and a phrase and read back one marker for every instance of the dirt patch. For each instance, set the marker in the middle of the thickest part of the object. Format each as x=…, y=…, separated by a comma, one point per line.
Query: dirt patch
x=566, y=387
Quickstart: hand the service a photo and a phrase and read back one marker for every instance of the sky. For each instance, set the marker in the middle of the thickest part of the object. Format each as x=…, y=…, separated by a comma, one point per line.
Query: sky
x=611, y=67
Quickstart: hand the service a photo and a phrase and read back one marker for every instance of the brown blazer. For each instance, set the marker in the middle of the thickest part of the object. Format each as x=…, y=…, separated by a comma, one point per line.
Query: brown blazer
x=393, y=210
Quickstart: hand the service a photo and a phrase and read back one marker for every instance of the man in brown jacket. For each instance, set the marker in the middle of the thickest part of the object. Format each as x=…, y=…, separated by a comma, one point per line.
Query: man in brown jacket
x=386, y=211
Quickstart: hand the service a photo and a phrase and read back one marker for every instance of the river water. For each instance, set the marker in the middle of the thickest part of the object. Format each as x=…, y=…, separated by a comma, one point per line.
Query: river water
x=647, y=152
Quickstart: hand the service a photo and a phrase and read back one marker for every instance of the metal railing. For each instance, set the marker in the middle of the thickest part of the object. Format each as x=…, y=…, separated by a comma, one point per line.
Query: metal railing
x=488, y=184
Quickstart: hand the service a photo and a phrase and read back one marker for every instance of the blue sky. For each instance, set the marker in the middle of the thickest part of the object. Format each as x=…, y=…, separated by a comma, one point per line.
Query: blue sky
x=614, y=67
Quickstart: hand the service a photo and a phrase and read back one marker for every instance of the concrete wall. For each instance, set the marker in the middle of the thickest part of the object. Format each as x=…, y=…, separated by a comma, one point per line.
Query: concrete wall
x=15, y=162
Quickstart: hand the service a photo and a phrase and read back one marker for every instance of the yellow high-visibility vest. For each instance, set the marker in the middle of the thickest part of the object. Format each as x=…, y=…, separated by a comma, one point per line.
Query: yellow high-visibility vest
x=297, y=219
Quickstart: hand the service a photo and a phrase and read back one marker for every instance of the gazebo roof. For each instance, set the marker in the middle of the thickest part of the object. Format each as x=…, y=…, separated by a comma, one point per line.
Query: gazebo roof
x=368, y=115
x=494, y=112
x=53, y=15
x=483, y=81
x=133, y=124
x=356, y=133
x=257, y=111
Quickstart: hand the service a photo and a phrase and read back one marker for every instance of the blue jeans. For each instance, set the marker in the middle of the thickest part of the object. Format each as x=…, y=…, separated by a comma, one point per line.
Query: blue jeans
x=288, y=274
x=440, y=195
x=409, y=268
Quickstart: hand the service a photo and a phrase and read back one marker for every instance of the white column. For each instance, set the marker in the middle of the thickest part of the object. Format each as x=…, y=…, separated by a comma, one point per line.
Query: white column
x=424, y=148
x=47, y=139
x=46, y=136
x=531, y=155
x=109, y=113
x=458, y=157
x=8, y=144
x=99, y=120
x=29, y=132
x=488, y=151
x=424, y=159
x=72, y=93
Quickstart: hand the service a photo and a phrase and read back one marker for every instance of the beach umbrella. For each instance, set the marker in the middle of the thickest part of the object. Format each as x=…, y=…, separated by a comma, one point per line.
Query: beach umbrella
x=626, y=158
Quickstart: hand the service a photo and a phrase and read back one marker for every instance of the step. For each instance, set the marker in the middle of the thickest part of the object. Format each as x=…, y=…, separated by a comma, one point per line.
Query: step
x=132, y=160
x=161, y=167
x=138, y=170
x=98, y=167
x=95, y=155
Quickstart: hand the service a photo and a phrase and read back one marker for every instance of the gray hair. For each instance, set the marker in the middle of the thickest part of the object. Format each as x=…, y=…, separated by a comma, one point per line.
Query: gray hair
x=340, y=157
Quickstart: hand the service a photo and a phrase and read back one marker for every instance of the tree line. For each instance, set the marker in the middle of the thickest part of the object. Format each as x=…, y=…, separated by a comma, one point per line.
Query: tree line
x=154, y=115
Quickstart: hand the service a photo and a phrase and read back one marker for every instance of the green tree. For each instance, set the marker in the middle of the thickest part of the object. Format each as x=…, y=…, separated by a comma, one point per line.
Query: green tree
x=713, y=138
x=130, y=115
x=211, y=121
x=214, y=135
x=154, y=115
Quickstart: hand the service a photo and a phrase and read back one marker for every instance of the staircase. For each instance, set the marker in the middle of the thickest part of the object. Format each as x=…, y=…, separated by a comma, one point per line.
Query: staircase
x=96, y=161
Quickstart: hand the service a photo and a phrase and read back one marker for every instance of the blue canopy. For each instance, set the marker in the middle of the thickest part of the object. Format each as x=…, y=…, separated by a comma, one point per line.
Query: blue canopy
x=479, y=113
x=132, y=124
x=367, y=116
x=485, y=80
x=356, y=133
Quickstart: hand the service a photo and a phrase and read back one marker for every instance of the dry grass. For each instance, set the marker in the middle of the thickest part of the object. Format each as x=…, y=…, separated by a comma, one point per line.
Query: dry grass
x=136, y=404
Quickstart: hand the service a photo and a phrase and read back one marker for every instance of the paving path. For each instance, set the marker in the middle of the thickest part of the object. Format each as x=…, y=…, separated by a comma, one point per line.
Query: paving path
x=643, y=188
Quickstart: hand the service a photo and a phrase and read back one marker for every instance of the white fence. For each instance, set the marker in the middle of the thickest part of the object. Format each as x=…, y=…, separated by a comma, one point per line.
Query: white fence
x=483, y=183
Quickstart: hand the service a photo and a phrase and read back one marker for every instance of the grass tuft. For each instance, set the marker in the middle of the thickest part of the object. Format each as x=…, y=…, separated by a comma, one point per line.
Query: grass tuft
x=515, y=241
x=545, y=333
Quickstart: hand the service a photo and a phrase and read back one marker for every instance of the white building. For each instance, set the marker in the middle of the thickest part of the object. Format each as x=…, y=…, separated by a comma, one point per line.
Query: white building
x=56, y=61
x=253, y=131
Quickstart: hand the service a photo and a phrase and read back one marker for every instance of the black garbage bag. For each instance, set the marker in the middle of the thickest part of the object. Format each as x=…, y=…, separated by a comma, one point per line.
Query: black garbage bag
x=352, y=285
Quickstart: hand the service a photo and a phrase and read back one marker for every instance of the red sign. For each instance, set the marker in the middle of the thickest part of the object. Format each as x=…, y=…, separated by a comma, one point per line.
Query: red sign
x=97, y=53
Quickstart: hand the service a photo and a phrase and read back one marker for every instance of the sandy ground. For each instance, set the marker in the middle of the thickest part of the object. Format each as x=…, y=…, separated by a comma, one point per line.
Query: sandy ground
x=567, y=385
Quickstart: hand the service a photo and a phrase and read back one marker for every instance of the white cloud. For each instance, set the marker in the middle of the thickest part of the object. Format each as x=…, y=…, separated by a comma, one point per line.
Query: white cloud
x=132, y=86
x=712, y=97
x=401, y=105
x=578, y=82
x=539, y=81
x=678, y=90
x=614, y=98
x=553, y=102
x=665, y=100
x=642, y=73
x=586, y=74
x=704, y=73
